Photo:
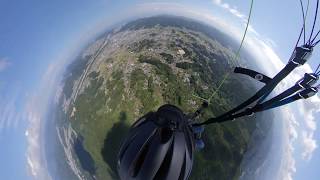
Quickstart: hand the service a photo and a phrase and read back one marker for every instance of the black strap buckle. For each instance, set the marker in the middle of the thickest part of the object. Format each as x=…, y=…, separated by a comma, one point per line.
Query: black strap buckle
x=249, y=111
x=308, y=80
x=301, y=55
x=307, y=93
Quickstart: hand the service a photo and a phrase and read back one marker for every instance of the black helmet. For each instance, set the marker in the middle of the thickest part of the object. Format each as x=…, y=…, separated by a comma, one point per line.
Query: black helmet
x=160, y=145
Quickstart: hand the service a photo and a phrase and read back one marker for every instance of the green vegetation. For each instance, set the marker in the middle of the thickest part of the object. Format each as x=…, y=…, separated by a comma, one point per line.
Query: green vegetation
x=168, y=57
x=144, y=44
x=123, y=86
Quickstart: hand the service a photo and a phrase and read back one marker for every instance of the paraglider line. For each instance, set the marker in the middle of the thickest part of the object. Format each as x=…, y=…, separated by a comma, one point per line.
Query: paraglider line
x=237, y=54
x=315, y=36
x=314, y=22
x=304, y=15
x=316, y=71
x=299, y=38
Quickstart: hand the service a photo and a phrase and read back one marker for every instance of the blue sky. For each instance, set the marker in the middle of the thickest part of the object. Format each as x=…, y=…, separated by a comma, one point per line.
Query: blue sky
x=37, y=36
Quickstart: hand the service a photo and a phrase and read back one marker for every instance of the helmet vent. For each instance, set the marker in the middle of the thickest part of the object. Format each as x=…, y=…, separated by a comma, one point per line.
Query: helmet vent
x=140, y=159
x=164, y=168
x=126, y=145
x=183, y=168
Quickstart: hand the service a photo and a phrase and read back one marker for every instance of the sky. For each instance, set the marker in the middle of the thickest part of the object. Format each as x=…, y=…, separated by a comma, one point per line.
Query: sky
x=39, y=38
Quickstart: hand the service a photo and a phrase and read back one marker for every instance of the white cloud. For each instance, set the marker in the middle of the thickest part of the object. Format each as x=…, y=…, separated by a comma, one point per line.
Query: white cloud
x=4, y=64
x=233, y=10
x=306, y=113
x=39, y=102
x=299, y=125
x=9, y=113
x=309, y=144
x=307, y=109
x=244, y=19
x=290, y=135
x=36, y=110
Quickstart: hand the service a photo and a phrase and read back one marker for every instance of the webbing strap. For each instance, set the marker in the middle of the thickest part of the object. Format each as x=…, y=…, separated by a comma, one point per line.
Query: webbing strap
x=281, y=96
x=265, y=90
x=254, y=74
x=251, y=111
x=303, y=94
x=268, y=106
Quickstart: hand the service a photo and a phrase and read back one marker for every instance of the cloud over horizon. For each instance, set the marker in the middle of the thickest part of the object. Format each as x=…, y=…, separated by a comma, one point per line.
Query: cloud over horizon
x=10, y=114
x=36, y=110
x=300, y=125
x=232, y=9
x=42, y=99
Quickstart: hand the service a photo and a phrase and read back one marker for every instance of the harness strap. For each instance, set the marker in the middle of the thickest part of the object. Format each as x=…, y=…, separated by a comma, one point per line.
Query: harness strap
x=254, y=74
x=299, y=57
